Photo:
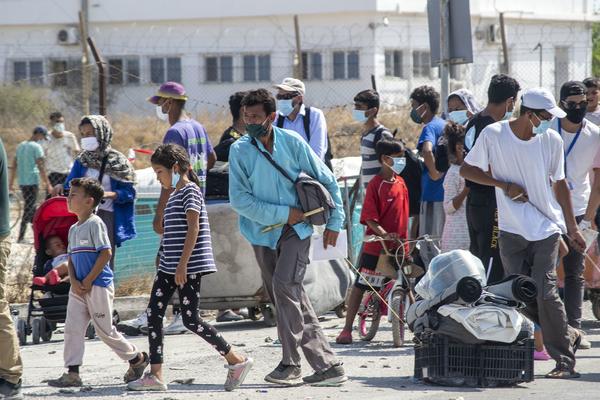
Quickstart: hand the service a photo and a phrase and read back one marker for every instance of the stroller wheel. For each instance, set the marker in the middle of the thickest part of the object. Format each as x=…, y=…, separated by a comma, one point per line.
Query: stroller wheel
x=36, y=331
x=22, y=331
x=45, y=329
x=90, y=332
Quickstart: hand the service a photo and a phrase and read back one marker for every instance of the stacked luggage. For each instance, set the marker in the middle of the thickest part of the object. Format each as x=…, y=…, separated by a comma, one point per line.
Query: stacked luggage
x=468, y=333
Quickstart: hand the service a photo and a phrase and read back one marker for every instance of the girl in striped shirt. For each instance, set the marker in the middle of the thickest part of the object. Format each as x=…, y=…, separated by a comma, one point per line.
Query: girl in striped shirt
x=186, y=257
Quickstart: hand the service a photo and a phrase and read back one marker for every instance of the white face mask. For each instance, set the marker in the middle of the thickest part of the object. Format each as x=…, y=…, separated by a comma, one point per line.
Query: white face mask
x=89, y=143
x=161, y=115
x=59, y=127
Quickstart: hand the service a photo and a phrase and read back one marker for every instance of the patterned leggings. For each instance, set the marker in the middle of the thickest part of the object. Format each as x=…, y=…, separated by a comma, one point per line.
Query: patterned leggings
x=189, y=295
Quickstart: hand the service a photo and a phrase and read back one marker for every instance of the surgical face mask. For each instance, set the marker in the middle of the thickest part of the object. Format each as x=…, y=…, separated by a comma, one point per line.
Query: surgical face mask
x=542, y=127
x=576, y=115
x=59, y=127
x=507, y=116
x=415, y=116
x=359, y=115
x=161, y=115
x=459, y=116
x=399, y=164
x=257, y=130
x=89, y=143
x=285, y=107
x=174, y=178
x=470, y=138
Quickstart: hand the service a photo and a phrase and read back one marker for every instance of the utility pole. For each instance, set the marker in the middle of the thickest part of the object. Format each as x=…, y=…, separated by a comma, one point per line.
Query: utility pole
x=86, y=79
x=505, y=65
x=299, y=64
x=541, y=49
x=444, y=52
x=102, y=77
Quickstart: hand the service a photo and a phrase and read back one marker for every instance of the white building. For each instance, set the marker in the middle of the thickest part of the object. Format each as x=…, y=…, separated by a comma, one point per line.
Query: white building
x=218, y=47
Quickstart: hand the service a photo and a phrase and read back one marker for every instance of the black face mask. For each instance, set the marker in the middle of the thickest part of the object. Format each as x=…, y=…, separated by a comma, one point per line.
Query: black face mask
x=576, y=115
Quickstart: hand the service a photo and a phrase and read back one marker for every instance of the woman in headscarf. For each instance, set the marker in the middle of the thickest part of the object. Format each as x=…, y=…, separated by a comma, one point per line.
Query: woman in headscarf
x=462, y=105
x=100, y=161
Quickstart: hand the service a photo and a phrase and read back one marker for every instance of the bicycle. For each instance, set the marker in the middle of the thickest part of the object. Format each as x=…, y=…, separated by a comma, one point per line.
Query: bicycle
x=395, y=295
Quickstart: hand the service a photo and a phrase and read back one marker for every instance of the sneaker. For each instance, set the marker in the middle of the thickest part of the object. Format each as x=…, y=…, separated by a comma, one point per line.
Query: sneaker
x=176, y=326
x=332, y=376
x=345, y=337
x=288, y=375
x=147, y=383
x=66, y=380
x=10, y=391
x=237, y=373
x=584, y=344
x=132, y=327
x=541, y=355
x=136, y=371
x=229, y=316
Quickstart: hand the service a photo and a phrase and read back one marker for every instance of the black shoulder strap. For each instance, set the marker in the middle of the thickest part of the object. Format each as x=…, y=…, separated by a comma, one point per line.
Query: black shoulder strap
x=306, y=121
x=102, y=169
x=270, y=159
x=378, y=134
x=280, y=119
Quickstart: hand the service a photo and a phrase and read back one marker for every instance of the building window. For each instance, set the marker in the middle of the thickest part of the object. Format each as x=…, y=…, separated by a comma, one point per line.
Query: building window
x=346, y=65
x=59, y=70
x=421, y=64
x=257, y=67
x=312, y=66
x=393, y=63
x=219, y=69
x=28, y=72
x=165, y=69
x=123, y=71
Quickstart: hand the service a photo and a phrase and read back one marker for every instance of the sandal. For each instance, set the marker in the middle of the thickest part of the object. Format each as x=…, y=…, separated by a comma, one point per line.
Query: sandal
x=562, y=373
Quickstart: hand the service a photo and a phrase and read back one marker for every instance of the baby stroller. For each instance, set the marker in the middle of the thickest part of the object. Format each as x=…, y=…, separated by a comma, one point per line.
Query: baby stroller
x=47, y=303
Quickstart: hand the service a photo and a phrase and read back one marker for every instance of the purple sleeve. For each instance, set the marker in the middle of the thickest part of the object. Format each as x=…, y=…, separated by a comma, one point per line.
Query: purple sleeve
x=173, y=136
x=209, y=147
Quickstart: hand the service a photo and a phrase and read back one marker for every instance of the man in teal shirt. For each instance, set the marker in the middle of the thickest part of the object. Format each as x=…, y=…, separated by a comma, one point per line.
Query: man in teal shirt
x=263, y=197
x=11, y=367
x=28, y=165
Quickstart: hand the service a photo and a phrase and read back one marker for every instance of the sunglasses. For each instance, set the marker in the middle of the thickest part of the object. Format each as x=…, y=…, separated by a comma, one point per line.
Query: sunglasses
x=571, y=105
x=286, y=96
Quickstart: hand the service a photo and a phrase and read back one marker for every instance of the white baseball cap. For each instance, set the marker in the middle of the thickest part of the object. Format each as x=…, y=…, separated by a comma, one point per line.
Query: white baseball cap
x=542, y=99
x=292, y=85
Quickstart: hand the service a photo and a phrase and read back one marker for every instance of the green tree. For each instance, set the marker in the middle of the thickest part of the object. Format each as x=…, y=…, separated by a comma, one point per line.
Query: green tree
x=596, y=49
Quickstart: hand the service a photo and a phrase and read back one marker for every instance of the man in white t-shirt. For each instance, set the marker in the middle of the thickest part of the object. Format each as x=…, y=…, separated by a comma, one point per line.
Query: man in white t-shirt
x=581, y=141
x=593, y=97
x=61, y=150
x=526, y=161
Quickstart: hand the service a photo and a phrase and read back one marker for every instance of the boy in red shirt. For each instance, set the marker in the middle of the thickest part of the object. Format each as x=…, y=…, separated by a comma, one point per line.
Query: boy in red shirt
x=385, y=213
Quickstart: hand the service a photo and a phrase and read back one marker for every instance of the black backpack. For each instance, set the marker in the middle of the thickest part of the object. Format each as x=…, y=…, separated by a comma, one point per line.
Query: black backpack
x=306, y=121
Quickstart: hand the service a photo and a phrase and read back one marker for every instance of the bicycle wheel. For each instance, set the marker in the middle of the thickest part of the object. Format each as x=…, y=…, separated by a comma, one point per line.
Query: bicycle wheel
x=368, y=319
x=398, y=302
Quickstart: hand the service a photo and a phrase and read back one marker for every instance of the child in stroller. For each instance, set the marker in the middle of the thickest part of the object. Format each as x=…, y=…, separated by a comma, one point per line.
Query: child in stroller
x=56, y=268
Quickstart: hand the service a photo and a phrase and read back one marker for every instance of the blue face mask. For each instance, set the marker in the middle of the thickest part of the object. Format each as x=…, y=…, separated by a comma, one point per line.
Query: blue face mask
x=285, y=107
x=460, y=117
x=542, y=127
x=174, y=178
x=399, y=164
x=470, y=138
x=359, y=115
x=507, y=115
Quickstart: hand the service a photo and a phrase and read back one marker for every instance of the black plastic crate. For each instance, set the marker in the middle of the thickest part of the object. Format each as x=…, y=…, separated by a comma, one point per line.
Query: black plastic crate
x=441, y=360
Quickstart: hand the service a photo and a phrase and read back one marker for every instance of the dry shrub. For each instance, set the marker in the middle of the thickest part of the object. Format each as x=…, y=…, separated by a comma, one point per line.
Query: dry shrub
x=20, y=264
x=138, y=286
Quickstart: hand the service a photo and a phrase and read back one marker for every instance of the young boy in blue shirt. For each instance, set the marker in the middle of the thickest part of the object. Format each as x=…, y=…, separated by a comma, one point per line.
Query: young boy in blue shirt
x=92, y=290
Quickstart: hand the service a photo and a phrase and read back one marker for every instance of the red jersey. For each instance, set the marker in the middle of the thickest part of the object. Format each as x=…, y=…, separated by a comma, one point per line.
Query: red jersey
x=387, y=204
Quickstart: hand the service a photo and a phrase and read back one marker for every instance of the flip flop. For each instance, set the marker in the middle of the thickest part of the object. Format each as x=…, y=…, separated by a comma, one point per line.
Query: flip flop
x=559, y=373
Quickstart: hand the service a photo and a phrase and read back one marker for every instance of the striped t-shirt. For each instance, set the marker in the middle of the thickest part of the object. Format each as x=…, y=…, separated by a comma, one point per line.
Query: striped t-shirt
x=188, y=198
x=370, y=165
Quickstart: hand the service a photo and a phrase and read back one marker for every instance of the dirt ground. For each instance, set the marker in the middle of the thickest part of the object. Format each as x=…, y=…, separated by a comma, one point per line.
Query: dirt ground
x=376, y=370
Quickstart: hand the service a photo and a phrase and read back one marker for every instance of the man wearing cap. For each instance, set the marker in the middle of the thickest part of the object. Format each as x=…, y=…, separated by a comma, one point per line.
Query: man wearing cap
x=184, y=131
x=28, y=167
x=308, y=122
x=581, y=142
x=524, y=156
